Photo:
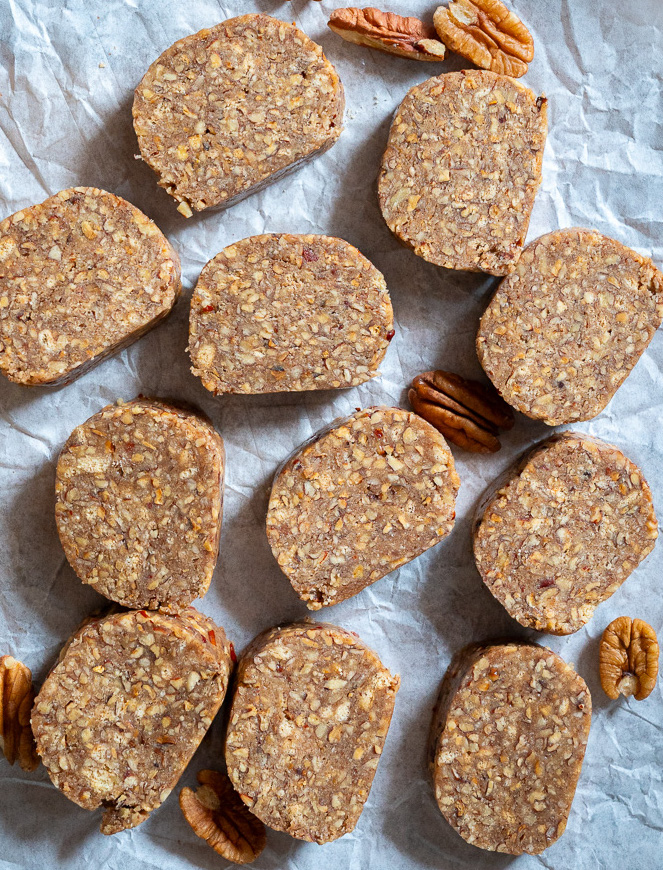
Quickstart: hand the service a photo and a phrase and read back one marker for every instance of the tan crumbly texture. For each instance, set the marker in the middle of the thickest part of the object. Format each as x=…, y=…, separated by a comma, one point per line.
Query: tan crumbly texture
x=288, y=312
x=309, y=718
x=82, y=275
x=121, y=714
x=564, y=531
x=233, y=107
x=562, y=332
x=507, y=744
x=461, y=170
x=366, y=496
x=139, y=501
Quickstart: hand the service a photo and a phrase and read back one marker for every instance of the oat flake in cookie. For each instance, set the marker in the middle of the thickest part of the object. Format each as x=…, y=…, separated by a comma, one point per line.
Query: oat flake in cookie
x=562, y=332
x=231, y=108
x=82, y=275
x=365, y=496
x=507, y=743
x=288, y=312
x=139, y=496
x=563, y=530
x=308, y=722
x=121, y=714
x=462, y=168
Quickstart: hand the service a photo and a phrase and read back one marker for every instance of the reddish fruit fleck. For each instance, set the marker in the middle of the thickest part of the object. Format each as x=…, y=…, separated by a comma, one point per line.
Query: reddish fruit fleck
x=212, y=637
x=208, y=308
x=233, y=654
x=309, y=255
x=391, y=334
x=378, y=433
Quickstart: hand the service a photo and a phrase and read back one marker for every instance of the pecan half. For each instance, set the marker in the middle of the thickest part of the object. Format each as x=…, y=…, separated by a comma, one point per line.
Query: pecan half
x=485, y=32
x=386, y=31
x=16, y=699
x=628, y=658
x=467, y=413
x=217, y=814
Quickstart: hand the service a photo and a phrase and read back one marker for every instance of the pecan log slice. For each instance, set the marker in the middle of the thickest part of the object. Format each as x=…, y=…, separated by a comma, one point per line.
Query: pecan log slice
x=16, y=698
x=467, y=413
x=217, y=814
x=628, y=659
x=487, y=33
x=386, y=31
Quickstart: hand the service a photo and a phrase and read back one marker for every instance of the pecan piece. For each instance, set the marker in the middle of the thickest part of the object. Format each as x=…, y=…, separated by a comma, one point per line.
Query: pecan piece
x=386, y=31
x=467, y=413
x=628, y=659
x=485, y=32
x=16, y=698
x=217, y=814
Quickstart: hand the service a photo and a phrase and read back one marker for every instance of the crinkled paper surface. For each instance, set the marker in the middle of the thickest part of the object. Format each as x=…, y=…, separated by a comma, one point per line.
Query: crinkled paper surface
x=67, y=73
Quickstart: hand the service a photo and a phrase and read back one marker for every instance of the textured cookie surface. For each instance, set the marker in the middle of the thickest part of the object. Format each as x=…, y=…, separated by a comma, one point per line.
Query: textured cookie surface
x=366, y=496
x=562, y=332
x=565, y=530
x=139, y=496
x=461, y=170
x=229, y=109
x=119, y=717
x=82, y=274
x=308, y=722
x=288, y=312
x=507, y=744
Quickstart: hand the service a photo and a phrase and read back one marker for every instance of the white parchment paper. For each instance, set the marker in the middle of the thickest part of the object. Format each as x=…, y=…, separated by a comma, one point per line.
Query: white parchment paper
x=67, y=73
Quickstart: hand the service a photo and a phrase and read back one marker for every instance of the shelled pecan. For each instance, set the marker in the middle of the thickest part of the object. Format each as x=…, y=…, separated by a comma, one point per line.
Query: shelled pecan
x=628, y=658
x=467, y=413
x=386, y=31
x=16, y=699
x=487, y=33
x=217, y=814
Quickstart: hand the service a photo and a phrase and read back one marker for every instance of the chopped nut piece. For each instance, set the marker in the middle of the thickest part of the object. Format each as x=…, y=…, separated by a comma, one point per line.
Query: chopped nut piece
x=461, y=170
x=218, y=815
x=487, y=33
x=467, y=413
x=302, y=749
x=16, y=699
x=232, y=108
x=507, y=743
x=117, y=819
x=628, y=659
x=388, y=32
x=562, y=529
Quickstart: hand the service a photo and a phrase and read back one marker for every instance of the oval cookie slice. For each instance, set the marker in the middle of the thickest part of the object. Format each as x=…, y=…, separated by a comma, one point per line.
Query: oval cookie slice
x=363, y=498
x=507, y=744
x=139, y=500
x=284, y=312
x=462, y=168
x=121, y=714
x=82, y=275
x=231, y=108
x=563, y=531
x=562, y=332
x=308, y=722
